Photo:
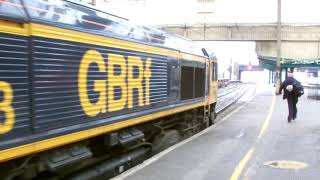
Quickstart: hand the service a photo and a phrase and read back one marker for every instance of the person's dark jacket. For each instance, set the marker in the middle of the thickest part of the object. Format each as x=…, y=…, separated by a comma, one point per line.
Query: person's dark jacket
x=283, y=86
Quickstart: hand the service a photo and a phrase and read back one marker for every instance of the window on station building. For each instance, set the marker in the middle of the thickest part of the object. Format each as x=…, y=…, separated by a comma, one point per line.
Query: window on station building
x=205, y=6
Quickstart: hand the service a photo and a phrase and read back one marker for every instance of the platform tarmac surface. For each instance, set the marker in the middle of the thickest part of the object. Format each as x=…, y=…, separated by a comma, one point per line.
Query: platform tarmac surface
x=254, y=142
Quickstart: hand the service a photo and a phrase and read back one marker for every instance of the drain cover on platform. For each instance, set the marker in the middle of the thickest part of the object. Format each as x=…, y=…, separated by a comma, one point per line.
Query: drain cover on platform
x=286, y=164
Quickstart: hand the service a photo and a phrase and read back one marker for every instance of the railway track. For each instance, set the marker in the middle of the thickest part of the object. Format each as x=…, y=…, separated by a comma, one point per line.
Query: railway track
x=228, y=90
x=232, y=95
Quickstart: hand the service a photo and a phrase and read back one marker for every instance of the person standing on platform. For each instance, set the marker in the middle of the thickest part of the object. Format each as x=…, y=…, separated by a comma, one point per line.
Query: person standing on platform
x=292, y=98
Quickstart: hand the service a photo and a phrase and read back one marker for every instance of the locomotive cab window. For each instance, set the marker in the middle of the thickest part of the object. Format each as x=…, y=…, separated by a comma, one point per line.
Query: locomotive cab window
x=192, y=81
x=214, y=71
x=199, y=82
x=187, y=81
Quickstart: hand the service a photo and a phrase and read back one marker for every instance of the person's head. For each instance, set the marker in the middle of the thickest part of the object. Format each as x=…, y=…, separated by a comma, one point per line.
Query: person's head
x=290, y=73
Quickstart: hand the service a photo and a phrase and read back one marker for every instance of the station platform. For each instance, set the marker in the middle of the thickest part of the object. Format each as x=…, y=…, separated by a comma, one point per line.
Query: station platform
x=254, y=141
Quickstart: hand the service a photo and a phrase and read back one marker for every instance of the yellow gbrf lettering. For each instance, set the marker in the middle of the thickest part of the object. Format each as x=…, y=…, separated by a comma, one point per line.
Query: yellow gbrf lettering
x=5, y=106
x=147, y=76
x=116, y=79
x=92, y=109
x=135, y=82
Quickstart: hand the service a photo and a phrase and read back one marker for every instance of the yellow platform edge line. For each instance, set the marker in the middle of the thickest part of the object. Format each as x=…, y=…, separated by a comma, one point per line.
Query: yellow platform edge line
x=237, y=172
x=267, y=121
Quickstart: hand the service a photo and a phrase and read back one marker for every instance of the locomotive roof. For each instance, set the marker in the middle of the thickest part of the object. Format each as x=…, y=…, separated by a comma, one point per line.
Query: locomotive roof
x=151, y=35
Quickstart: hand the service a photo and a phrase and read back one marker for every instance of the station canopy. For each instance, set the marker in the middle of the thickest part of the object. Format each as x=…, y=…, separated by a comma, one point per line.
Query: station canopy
x=269, y=63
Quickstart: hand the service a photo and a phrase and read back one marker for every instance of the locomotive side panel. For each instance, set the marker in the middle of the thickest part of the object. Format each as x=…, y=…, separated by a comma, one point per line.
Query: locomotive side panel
x=79, y=83
x=14, y=87
x=14, y=73
x=81, y=78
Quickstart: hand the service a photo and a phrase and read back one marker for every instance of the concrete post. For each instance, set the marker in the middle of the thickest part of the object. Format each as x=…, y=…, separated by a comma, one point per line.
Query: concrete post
x=318, y=49
x=185, y=30
x=277, y=69
x=286, y=69
x=269, y=77
x=204, y=31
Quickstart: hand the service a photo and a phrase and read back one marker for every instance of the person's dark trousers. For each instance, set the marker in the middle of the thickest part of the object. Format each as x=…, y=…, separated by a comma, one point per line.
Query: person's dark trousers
x=295, y=110
x=292, y=106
